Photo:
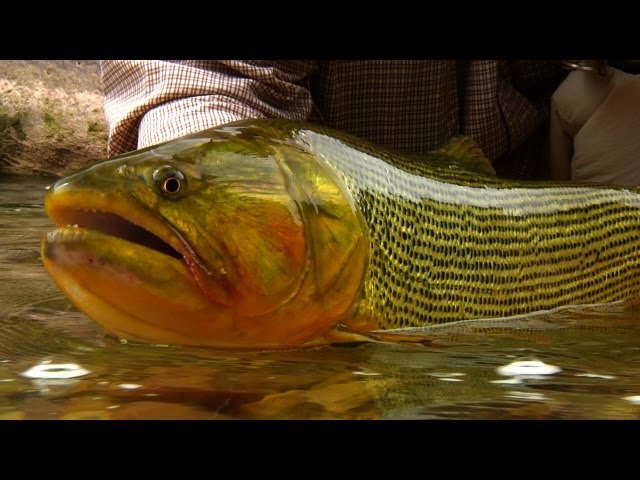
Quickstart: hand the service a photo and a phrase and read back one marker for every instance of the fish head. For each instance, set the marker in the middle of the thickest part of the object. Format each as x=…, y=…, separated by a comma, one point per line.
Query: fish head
x=226, y=238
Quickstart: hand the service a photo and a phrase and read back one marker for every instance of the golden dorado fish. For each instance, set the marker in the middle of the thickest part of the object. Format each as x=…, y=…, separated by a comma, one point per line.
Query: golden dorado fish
x=273, y=234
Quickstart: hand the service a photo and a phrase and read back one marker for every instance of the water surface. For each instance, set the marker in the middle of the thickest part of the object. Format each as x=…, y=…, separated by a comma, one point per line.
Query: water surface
x=55, y=363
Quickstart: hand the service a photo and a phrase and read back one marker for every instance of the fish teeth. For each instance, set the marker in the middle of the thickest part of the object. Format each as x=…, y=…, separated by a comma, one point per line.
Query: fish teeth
x=72, y=233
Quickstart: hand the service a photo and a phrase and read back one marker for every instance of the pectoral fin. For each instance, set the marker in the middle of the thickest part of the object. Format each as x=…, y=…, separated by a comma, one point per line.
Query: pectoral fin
x=341, y=334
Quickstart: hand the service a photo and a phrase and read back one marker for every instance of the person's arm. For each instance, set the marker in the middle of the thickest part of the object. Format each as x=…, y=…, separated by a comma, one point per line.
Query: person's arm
x=151, y=101
x=503, y=105
x=572, y=105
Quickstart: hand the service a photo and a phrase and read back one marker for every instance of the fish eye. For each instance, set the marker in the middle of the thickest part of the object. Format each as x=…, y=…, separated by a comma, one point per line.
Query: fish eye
x=170, y=180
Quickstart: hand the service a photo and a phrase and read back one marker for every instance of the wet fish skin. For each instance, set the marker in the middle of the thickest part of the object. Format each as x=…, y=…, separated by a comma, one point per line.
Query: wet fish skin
x=287, y=230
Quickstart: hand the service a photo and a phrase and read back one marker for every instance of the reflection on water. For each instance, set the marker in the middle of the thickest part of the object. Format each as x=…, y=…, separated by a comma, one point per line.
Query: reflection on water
x=56, y=363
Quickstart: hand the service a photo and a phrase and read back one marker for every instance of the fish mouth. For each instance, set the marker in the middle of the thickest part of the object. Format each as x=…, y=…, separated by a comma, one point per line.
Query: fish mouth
x=93, y=217
x=76, y=221
x=124, y=276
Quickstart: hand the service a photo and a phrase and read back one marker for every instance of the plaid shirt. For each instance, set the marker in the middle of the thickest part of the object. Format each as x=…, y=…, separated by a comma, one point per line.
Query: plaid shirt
x=407, y=105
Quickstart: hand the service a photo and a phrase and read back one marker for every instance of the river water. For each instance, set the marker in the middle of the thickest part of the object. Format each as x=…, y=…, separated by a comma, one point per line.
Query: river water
x=55, y=363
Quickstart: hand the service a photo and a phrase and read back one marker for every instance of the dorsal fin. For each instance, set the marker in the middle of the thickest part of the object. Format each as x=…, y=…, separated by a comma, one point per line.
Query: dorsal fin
x=466, y=149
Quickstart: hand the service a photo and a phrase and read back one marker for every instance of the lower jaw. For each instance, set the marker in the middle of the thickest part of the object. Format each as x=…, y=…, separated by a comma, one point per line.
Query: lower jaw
x=120, y=301
x=107, y=315
x=87, y=269
x=115, y=314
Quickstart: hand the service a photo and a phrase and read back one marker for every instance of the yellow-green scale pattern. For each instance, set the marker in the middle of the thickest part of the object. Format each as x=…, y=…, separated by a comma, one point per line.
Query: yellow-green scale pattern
x=450, y=243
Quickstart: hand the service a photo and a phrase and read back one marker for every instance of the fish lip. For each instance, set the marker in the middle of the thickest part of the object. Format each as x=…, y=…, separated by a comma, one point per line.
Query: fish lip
x=74, y=222
x=60, y=207
x=73, y=234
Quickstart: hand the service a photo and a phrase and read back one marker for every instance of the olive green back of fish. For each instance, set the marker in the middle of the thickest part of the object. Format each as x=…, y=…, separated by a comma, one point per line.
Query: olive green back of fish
x=450, y=243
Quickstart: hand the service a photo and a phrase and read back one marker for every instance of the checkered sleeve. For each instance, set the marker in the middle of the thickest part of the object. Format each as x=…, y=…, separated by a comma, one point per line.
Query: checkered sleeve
x=151, y=101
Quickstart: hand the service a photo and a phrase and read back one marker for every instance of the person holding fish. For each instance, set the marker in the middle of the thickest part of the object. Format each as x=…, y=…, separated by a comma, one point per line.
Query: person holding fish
x=278, y=233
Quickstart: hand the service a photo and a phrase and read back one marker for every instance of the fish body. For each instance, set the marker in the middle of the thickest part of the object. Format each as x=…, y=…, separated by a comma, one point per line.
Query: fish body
x=268, y=233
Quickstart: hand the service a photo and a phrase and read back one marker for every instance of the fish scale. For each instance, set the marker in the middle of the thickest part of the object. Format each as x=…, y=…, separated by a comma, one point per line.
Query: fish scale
x=450, y=244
